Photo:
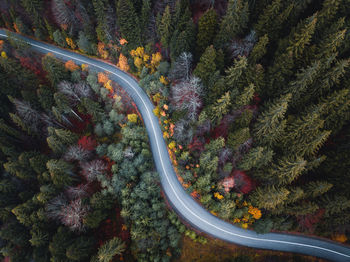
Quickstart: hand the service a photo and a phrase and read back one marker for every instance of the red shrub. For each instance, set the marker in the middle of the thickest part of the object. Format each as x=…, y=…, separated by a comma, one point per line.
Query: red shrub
x=196, y=145
x=243, y=182
x=87, y=142
x=308, y=222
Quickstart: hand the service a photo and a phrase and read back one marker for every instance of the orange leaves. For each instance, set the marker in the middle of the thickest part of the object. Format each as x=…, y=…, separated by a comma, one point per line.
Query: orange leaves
x=123, y=63
x=340, y=238
x=70, y=42
x=16, y=28
x=71, y=66
x=102, y=78
x=255, y=212
x=1, y=43
x=218, y=195
x=123, y=41
x=102, y=51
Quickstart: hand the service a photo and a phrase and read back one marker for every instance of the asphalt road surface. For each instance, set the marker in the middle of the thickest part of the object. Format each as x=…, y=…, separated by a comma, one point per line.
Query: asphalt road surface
x=183, y=203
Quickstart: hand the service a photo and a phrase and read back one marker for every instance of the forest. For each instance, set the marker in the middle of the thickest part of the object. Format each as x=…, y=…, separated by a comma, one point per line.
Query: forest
x=252, y=98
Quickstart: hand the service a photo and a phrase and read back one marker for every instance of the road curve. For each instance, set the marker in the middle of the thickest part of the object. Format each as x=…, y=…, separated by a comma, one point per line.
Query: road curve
x=183, y=204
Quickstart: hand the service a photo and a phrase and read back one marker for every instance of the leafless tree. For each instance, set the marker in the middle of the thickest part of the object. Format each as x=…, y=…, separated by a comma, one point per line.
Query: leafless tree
x=182, y=67
x=92, y=169
x=55, y=206
x=79, y=191
x=187, y=96
x=77, y=152
x=224, y=155
x=242, y=47
x=183, y=132
x=64, y=14
x=73, y=215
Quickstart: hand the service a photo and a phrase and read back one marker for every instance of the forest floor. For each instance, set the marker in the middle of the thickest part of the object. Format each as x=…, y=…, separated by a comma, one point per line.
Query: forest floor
x=220, y=251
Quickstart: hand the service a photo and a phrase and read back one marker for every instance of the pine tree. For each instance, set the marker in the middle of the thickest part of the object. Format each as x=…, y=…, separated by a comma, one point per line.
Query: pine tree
x=145, y=17
x=317, y=188
x=183, y=41
x=233, y=23
x=61, y=172
x=109, y=249
x=238, y=137
x=244, y=98
x=66, y=137
x=302, y=36
x=100, y=7
x=256, y=158
x=259, y=49
x=56, y=72
x=165, y=27
x=206, y=65
x=270, y=125
x=272, y=19
x=269, y=197
x=128, y=22
x=234, y=73
x=207, y=26
x=82, y=248
x=221, y=107
x=286, y=170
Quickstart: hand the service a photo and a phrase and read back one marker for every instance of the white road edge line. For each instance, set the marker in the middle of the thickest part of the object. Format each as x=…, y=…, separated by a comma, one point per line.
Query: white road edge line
x=221, y=229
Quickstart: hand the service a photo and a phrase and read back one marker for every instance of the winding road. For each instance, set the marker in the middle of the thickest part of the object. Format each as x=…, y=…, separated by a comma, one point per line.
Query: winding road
x=182, y=203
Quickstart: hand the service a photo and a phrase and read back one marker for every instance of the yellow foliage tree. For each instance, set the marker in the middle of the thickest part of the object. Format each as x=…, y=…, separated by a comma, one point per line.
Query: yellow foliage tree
x=109, y=86
x=70, y=43
x=84, y=67
x=218, y=195
x=172, y=145
x=156, y=58
x=156, y=111
x=163, y=80
x=3, y=54
x=132, y=118
x=71, y=66
x=123, y=63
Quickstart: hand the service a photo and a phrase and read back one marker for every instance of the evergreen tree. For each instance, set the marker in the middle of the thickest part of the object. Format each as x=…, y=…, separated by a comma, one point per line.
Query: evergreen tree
x=270, y=125
x=259, y=49
x=61, y=172
x=233, y=23
x=100, y=7
x=286, y=170
x=207, y=26
x=82, y=248
x=128, y=22
x=165, y=27
x=221, y=107
x=56, y=72
x=317, y=188
x=269, y=197
x=256, y=158
x=235, y=72
x=109, y=249
x=206, y=65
